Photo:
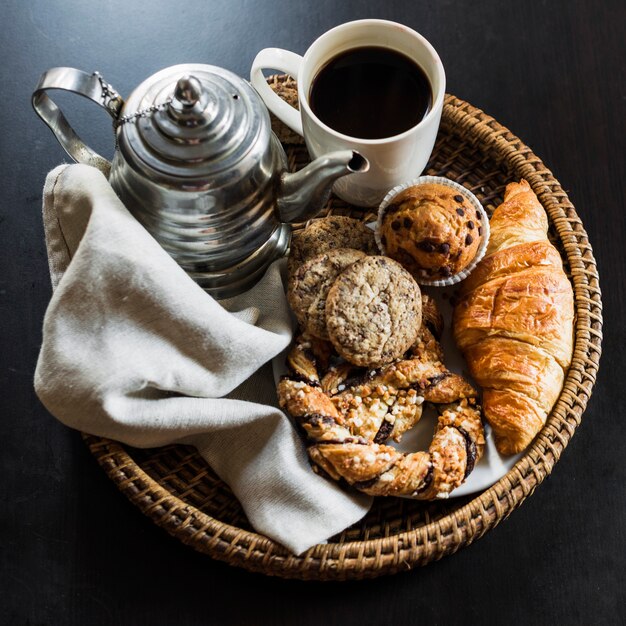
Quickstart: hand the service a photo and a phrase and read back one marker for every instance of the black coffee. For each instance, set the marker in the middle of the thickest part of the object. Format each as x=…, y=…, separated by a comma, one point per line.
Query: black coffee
x=371, y=93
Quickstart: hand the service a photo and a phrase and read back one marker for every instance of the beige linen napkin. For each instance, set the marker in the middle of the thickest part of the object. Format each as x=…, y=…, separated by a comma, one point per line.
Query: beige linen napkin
x=135, y=351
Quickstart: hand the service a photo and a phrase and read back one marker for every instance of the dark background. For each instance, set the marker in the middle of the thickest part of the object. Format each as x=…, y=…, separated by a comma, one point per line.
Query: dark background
x=74, y=551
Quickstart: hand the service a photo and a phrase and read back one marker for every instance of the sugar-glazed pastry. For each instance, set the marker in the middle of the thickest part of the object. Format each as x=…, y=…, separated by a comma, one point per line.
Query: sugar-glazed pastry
x=348, y=413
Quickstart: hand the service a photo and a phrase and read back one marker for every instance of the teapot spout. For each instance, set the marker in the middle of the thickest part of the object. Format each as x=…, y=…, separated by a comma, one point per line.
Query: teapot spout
x=302, y=194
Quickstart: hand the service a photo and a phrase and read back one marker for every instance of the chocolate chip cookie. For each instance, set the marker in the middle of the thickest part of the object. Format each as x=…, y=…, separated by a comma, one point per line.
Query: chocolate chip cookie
x=373, y=312
x=329, y=233
x=309, y=286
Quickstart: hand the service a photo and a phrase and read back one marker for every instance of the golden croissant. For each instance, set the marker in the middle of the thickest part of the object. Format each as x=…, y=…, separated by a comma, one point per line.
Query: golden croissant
x=514, y=321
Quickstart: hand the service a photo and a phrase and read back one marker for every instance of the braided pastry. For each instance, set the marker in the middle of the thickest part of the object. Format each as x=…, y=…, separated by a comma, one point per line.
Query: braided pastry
x=349, y=412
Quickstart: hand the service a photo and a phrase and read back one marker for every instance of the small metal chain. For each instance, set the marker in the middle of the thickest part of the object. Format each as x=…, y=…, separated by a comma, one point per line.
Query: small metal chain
x=113, y=102
x=133, y=117
x=110, y=98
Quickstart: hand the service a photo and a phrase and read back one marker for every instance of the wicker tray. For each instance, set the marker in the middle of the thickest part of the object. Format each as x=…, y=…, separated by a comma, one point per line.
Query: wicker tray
x=175, y=487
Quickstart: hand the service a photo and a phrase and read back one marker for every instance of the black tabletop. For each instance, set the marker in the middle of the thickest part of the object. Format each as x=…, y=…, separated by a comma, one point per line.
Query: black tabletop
x=73, y=550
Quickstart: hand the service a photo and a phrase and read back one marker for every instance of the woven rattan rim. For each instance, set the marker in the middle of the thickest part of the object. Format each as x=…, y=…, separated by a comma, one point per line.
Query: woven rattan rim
x=473, y=130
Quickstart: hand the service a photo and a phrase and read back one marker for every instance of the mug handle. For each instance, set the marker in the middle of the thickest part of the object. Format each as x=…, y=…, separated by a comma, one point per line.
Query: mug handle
x=285, y=61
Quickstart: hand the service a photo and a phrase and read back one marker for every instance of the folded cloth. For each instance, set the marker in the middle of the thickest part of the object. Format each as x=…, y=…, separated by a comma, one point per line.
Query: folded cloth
x=135, y=351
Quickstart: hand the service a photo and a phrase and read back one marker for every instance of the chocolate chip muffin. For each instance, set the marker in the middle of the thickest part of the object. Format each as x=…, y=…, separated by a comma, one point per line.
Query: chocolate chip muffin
x=432, y=230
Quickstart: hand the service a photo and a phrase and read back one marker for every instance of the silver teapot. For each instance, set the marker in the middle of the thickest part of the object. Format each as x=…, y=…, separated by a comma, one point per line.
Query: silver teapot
x=197, y=164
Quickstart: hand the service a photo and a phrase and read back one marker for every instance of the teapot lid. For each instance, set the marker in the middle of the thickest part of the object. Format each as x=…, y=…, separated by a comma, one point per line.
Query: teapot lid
x=192, y=121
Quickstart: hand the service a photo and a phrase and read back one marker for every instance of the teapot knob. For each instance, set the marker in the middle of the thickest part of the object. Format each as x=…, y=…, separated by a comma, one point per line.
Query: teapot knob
x=188, y=90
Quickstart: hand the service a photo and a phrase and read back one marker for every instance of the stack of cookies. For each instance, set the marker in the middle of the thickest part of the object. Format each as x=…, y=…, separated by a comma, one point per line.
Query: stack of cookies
x=341, y=290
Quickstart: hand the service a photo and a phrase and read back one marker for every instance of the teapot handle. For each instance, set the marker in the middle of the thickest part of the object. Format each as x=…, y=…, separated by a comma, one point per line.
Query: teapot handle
x=90, y=86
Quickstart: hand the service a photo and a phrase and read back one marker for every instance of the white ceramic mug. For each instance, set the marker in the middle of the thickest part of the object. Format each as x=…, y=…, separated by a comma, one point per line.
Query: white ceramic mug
x=393, y=160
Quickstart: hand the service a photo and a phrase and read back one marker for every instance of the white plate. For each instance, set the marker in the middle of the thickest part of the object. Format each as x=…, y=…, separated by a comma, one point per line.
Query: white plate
x=492, y=466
